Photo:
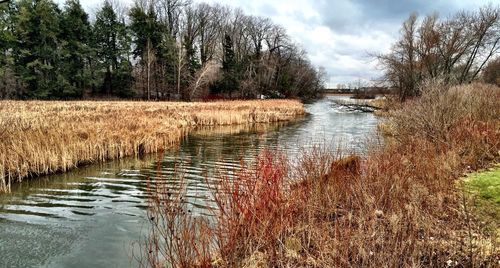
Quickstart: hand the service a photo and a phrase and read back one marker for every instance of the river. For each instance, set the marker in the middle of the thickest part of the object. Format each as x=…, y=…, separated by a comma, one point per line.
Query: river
x=94, y=216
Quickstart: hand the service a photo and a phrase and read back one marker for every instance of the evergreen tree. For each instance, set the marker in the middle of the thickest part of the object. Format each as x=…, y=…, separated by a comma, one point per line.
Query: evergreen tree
x=230, y=82
x=193, y=62
x=145, y=28
x=123, y=81
x=166, y=61
x=229, y=61
x=37, y=54
x=47, y=53
x=75, y=35
x=112, y=44
x=10, y=86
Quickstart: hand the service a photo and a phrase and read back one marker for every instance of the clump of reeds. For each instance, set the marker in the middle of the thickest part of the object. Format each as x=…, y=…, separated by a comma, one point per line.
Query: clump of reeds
x=398, y=206
x=175, y=237
x=39, y=137
x=251, y=211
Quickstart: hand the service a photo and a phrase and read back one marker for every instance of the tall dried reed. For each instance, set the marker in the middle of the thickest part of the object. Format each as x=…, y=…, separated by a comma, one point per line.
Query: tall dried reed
x=39, y=137
x=399, y=206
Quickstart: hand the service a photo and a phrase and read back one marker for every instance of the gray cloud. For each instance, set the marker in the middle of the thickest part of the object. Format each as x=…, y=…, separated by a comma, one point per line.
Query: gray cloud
x=364, y=27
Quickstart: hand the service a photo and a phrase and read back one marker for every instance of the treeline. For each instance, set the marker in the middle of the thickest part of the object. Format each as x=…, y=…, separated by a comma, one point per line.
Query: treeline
x=454, y=50
x=155, y=49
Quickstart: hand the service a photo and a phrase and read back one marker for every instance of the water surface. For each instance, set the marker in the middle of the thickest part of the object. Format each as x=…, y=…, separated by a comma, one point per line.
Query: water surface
x=91, y=217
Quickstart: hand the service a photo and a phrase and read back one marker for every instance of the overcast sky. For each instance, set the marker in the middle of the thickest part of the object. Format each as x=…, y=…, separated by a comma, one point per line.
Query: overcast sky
x=339, y=35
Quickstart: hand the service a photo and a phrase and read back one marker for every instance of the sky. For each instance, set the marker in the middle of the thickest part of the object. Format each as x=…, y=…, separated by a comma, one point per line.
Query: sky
x=341, y=35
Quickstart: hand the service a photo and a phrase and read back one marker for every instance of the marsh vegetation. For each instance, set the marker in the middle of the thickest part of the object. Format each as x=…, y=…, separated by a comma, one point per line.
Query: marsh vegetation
x=39, y=137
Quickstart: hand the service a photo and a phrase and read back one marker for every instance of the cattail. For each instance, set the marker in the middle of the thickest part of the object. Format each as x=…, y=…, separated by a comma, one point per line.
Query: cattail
x=44, y=137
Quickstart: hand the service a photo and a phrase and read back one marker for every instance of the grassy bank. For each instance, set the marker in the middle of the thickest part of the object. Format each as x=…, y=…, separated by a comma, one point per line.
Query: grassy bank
x=43, y=137
x=486, y=185
x=398, y=206
x=483, y=188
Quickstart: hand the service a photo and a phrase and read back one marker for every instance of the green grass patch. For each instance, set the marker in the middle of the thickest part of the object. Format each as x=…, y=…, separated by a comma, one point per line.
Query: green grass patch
x=484, y=186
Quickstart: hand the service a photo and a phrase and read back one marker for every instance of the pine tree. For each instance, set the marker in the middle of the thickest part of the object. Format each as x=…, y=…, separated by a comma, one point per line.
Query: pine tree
x=145, y=28
x=230, y=81
x=37, y=54
x=75, y=36
x=193, y=62
x=10, y=86
x=228, y=62
x=122, y=84
x=112, y=44
x=146, y=31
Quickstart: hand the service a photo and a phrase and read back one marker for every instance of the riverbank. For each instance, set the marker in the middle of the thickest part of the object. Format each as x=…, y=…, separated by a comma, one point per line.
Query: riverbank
x=398, y=206
x=39, y=137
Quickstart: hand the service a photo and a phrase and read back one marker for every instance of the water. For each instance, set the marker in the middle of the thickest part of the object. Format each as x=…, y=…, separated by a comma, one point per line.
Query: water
x=91, y=217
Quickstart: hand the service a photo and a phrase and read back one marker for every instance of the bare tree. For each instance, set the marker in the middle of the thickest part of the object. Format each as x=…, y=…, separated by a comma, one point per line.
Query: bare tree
x=486, y=34
x=204, y=77
x=180, y=63
x=150, y=59
x=121, y=9
x=454, y=50
x=170, y=12
x=258, y=28
x=213, y=21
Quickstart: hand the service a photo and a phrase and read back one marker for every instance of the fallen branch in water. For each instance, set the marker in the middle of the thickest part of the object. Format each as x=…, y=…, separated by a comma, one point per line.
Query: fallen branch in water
x=364, y=106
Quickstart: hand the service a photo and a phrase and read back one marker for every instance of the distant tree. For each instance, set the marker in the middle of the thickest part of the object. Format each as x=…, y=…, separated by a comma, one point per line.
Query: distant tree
x=10, y=84
x=193, y=62
x=210, y=21
x=145, y=28
x=76, y=50
x=229, y=82
x=37, y=54
x=190, y=33
x=400, y=64
x=170, y=12
x=112, y=43
x=164, y=49
x=491, y=72
x=170, y=52
x=229, y=60
x=454, y=50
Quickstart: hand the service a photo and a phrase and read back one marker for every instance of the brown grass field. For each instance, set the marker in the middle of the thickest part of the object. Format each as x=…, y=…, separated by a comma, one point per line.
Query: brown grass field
x=38, y=137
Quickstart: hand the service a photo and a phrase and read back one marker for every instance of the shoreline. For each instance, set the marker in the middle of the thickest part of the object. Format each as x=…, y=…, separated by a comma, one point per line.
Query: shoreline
x=45, y=137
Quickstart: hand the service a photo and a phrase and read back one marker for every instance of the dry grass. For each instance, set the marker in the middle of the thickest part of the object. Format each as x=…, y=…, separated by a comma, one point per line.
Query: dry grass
x=400, y=206
x=43, y=137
